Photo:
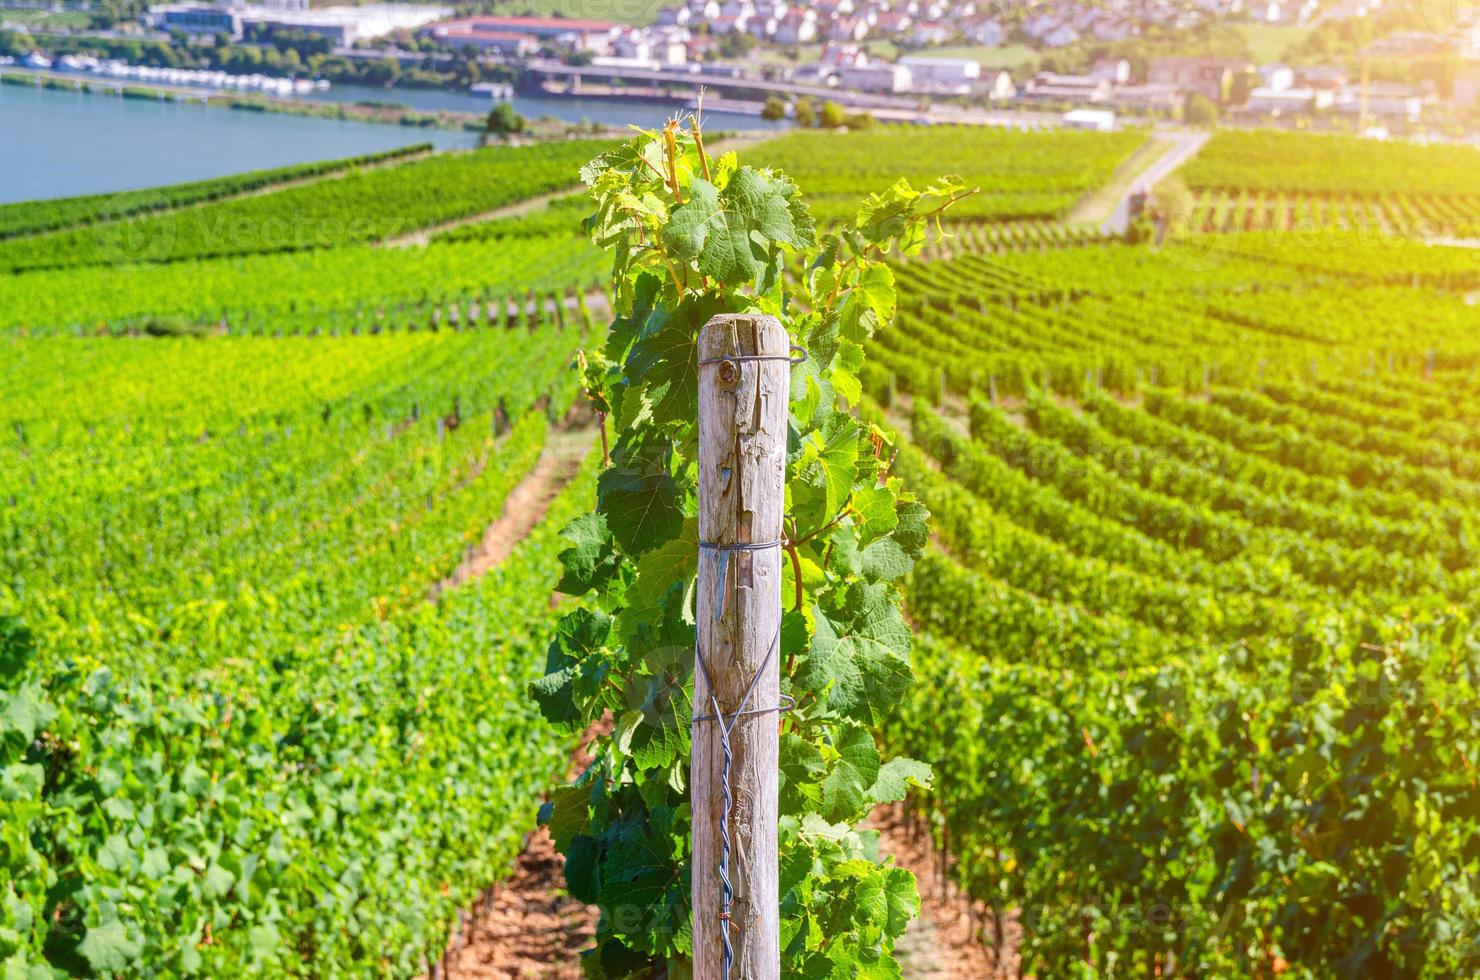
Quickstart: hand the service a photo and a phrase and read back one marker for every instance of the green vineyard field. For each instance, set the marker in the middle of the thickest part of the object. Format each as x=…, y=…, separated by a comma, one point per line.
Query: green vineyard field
x=34, y=217
x=1196, y=656
x=1207, y=595
x=1262, y=180
x=359, y=205
x=1331, y=165
x=282, y=767
x=288, y=288
x=1021, y=174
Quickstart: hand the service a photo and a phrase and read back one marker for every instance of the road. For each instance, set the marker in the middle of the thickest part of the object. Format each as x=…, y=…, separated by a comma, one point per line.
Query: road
x=1180, y=146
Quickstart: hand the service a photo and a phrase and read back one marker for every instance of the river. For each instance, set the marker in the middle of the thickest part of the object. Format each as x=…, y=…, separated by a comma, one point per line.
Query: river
x=57, y=144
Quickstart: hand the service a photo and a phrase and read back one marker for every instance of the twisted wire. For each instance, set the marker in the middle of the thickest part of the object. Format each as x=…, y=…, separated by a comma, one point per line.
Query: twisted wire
x=726, y=724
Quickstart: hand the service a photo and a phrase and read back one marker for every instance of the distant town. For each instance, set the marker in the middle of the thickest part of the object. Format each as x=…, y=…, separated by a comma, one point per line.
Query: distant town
x=1340, y=64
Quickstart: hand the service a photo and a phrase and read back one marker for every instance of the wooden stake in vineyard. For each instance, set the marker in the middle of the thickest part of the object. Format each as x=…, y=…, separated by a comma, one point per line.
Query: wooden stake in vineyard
x=744, y=388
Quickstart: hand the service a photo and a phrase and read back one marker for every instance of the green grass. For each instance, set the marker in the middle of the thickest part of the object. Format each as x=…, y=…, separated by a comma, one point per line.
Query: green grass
x=638, y=12
x=1009, y=56
x=46, y=19
x=1269, y=42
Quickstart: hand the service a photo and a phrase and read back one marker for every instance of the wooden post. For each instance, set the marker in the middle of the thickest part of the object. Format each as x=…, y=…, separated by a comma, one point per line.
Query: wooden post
x=742, y=472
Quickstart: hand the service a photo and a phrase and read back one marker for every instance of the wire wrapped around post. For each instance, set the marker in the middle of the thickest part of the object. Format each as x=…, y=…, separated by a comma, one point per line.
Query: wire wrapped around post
x=744, y=368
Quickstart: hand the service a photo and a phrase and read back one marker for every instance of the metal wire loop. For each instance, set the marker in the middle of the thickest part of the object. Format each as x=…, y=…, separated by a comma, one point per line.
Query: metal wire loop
x=796, y=354
x=743, y=546
x=787, y=706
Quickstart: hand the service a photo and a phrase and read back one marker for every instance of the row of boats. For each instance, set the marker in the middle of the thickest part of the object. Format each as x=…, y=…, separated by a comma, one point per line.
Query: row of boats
x=187, y=77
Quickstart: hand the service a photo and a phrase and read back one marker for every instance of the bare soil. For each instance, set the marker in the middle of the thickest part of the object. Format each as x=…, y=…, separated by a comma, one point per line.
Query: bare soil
x=945, y=942
x=527, y=504
x=528, y=927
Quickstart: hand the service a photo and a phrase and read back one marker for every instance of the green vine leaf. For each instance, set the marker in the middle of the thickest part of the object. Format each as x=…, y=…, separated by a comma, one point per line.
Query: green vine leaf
x=729, y=234
x=845, y=788
x=589, y=562
x=896, y=777
x=108, y=948
x=641, y=501
x=857, y=661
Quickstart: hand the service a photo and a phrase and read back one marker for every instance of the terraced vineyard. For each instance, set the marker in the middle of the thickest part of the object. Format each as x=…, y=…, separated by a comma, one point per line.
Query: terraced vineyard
x=276, y=292
x=35, y=217
x=1203, y=596
x=1413, y=214
x=1021, y=174
x=1263, y=180
x=361, y=205
x=1268, y=160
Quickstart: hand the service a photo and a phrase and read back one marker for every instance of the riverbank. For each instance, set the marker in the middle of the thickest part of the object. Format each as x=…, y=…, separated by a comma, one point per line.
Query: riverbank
x=547, y=117
x=389, y=113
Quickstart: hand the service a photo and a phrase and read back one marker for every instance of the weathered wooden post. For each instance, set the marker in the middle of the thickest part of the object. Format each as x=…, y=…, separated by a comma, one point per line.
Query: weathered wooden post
x=744, y=388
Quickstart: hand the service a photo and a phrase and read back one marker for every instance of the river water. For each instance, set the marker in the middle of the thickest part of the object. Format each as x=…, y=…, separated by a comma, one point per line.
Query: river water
x=57, y=144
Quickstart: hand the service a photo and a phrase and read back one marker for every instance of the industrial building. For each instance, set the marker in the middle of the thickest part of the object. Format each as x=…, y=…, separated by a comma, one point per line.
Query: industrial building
x=342, y=25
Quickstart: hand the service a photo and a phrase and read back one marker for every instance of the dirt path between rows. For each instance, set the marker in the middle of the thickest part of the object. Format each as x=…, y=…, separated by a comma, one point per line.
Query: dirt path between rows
x=526, y=926
x=942, y=942
x=566, y=449
x=423, y=236
x=529, y=928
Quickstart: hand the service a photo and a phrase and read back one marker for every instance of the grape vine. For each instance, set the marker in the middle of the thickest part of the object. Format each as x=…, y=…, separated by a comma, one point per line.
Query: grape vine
x=692, y=237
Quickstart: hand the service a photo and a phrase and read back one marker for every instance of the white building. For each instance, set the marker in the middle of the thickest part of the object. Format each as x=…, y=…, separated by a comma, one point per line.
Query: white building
x=346, y=25
x=196, y=18
x=878, y=76
x=1099, y=120
x=1277, y=77
x=1000, y=87
x=1116, y=71
x=956, y=75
